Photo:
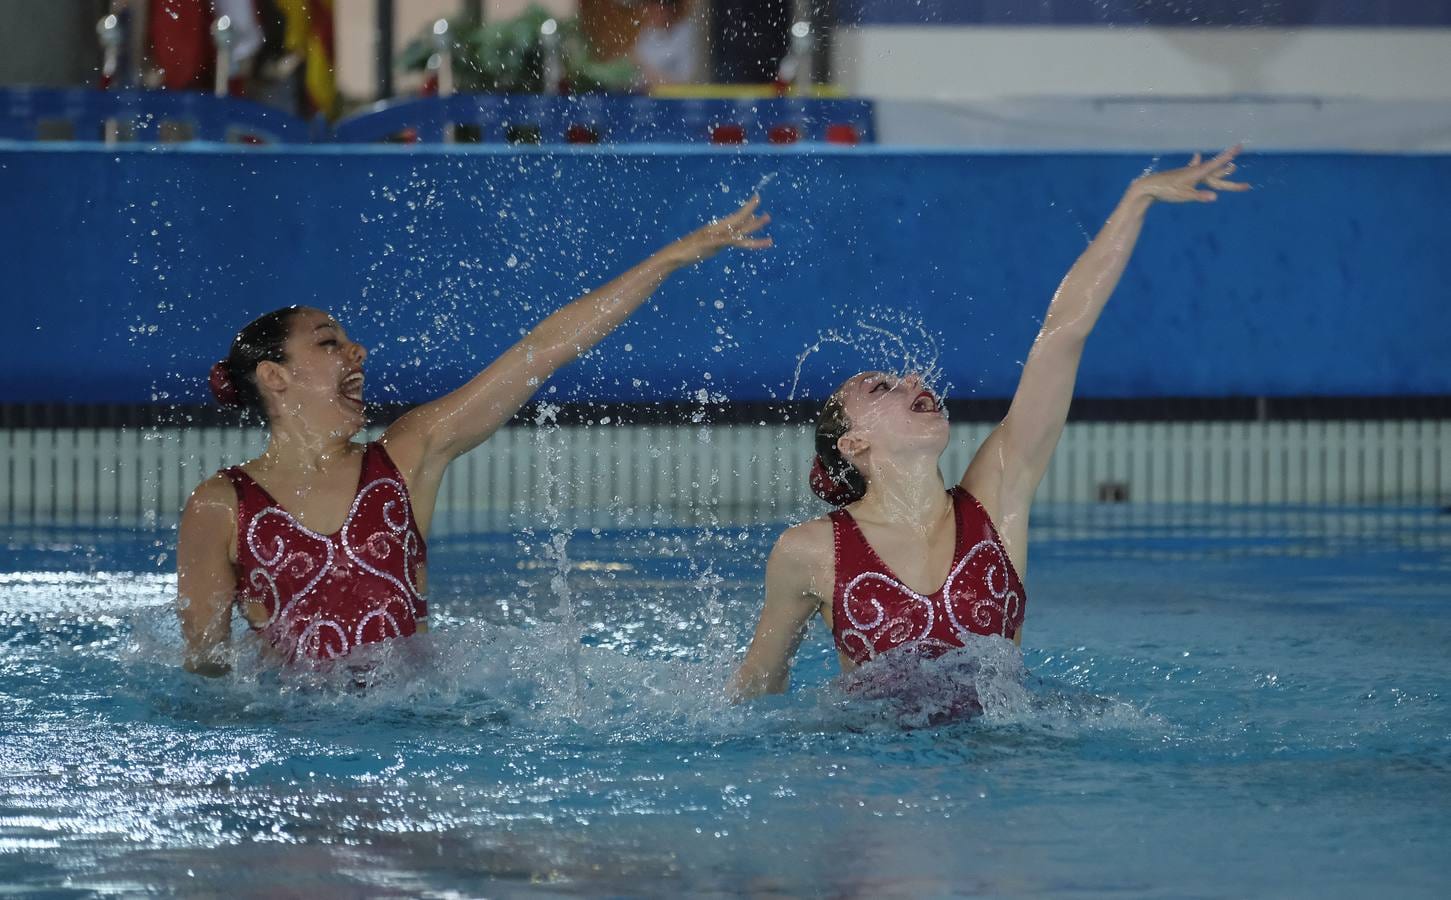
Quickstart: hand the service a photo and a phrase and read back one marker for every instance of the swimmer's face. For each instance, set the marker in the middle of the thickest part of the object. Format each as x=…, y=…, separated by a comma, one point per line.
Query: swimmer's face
x=322, y=379
x=891, y=414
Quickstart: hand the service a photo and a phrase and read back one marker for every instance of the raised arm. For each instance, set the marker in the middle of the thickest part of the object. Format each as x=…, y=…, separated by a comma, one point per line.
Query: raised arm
x=790, y=602
x=1007, y=468
x=435, y=433
x=205, y=582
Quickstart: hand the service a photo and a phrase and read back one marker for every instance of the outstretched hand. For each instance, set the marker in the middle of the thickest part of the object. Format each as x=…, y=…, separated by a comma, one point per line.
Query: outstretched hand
x=739, y=229
x=1183, y=185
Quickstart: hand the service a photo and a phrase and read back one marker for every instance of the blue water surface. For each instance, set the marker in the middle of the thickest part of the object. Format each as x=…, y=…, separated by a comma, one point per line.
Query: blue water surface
x=1210, y=702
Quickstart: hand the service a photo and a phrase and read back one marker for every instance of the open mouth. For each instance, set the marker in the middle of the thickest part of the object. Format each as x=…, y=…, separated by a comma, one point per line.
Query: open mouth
x=926, y=402
x=352, y=388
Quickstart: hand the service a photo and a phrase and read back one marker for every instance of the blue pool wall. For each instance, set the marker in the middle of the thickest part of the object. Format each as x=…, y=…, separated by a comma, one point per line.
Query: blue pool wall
x=129, y=270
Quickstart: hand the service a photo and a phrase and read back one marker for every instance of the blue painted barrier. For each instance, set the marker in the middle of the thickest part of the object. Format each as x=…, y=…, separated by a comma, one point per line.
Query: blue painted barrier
x=83, y=115
x=605, y=118
x=129, y=270
x=25, y=111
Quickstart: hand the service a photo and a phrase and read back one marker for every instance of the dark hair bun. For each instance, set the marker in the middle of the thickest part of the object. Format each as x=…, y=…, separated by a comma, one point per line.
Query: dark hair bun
x=834, y=491
x=220, y=381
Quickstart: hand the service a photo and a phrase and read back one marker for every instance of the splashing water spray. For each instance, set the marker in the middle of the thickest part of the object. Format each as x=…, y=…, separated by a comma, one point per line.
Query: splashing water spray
x=556, y=552
x=899, y=345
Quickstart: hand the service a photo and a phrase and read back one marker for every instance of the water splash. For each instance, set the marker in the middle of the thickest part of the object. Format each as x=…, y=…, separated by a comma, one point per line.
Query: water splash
x=555, y=551
x=893, y=343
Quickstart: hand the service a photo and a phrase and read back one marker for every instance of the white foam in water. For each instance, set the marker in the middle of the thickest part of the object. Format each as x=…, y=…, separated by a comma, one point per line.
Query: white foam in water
x=1259, y=703
x=540, y=678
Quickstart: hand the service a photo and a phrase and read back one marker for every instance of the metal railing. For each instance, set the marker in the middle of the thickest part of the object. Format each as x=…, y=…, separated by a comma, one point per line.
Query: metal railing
x=140, y=475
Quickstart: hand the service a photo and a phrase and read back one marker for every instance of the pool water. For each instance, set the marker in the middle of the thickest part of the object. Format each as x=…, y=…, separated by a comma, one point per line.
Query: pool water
x=1210, y=702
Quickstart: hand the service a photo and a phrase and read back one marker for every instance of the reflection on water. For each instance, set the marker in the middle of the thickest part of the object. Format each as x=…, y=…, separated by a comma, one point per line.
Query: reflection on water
x=1251, y=699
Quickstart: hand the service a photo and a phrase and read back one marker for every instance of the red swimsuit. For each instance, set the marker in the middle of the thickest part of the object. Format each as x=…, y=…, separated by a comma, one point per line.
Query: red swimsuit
x=326, y=594
x=872, y=611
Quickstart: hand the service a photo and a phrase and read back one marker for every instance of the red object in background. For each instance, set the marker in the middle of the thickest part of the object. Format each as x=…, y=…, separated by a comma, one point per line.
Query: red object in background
x=783, y=134
x=579, y=133
x=842, y=133
x=181, y=43
x=728, y=134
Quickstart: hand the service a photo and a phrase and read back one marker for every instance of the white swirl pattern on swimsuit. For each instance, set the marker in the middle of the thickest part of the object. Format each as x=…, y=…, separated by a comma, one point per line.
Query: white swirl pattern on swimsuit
x=1002, y=600
x=311, y=642
x=398, y=527
x=382, y=614
x=270, y=565
x=867, y=632
x=899, y=630
x=260, y=578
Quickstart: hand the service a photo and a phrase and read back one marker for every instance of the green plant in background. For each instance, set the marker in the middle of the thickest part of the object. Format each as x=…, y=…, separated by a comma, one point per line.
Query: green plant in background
x=507, y=56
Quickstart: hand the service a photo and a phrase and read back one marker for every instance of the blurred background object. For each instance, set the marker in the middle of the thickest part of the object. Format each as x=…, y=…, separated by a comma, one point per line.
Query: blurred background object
x=1119, y=75
x=514, y=55
x=668, y=47
x=50, y=44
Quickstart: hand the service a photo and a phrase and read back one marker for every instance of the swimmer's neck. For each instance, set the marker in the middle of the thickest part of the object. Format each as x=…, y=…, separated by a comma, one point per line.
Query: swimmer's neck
x=290, y=448
x=905, y=494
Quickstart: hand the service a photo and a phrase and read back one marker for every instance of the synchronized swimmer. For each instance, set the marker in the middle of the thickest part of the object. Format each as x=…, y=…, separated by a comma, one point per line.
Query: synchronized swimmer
x=321, y=541
x=903, y=563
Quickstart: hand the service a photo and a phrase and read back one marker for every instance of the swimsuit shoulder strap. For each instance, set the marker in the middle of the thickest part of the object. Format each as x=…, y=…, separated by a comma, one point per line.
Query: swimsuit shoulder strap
x=973, y=522
x=850, y=544
x=250, y=495
x=852, y=554
x=964, y=505
x=378, y=464
x=237, y=476
x=845, y=560
x=251, y=499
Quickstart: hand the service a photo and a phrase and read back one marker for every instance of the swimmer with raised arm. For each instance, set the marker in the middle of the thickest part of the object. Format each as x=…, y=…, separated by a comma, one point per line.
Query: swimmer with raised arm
x=321, y=541
x=903, y=563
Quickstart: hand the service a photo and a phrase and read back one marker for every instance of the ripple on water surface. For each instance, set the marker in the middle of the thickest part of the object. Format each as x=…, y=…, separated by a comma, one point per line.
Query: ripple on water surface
x=1259, y=716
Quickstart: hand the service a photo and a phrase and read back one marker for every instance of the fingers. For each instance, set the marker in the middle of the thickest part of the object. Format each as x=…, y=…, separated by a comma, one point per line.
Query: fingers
x=755, y=224
x=747, y=208
x=744, y=220
x=746, y=243
x=735, y=231
x=1218, y=162
x=740, y=227
x=1219, y=184
x=1219, y=180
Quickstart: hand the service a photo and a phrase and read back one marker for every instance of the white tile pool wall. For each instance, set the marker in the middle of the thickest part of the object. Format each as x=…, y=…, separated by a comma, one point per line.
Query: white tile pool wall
x=130, y=476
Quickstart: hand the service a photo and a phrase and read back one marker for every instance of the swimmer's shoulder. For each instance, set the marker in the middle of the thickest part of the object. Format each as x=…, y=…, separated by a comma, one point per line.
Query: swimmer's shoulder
x=212, y=510
x=214, y=491
x=810, y=544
